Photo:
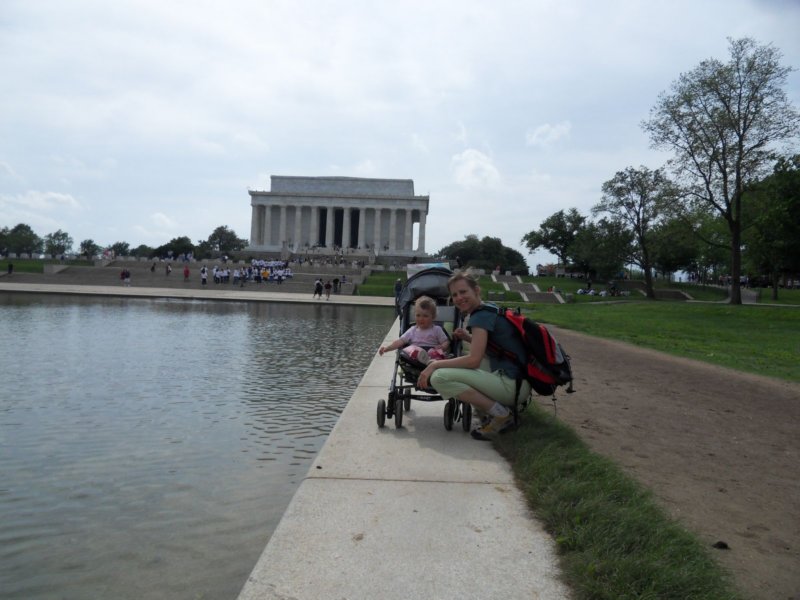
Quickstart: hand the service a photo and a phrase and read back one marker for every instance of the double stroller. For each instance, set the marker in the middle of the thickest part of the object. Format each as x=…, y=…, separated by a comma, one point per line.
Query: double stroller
x=431, y=282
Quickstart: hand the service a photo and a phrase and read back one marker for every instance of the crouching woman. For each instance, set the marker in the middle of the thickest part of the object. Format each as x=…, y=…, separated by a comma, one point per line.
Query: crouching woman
x=487, y=377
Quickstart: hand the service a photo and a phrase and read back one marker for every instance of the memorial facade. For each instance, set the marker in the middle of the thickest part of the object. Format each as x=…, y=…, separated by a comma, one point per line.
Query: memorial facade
x=370, y=216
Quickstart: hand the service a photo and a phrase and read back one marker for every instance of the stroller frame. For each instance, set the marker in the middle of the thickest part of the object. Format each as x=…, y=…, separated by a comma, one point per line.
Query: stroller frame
x=403, y=387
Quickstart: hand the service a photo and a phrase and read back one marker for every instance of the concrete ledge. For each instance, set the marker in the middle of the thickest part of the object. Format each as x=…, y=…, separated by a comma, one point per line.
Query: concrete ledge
x=416, y=512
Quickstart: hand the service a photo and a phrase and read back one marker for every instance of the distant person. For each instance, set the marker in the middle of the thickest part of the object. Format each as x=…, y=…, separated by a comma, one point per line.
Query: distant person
x=153, y=267
x=185, y=273
x=10, y=268
x=203, y=275
x=317, y=289
x=328, y=286
x=168, y=269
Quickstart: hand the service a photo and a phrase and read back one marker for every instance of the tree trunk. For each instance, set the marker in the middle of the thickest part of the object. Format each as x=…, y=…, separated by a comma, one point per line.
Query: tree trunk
x=775, y=276
x=736, y=262
x=648, y=282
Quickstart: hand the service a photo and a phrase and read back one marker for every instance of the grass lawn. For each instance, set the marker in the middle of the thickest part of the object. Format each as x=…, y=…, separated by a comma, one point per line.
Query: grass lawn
x=751, y=338
x=612, y=539
x=34, y=265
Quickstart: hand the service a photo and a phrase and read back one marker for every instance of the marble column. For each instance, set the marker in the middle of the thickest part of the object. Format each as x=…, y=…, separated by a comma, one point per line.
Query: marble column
x=254, y=226
x=393, y=229
x=408, y=233
x=313, y=227
x=346, y=228
x=282, y=227
x=266, y=226
x=377, y=231
x=298, y=222
x=423, y=217
x=362, y=227
x=329, y=227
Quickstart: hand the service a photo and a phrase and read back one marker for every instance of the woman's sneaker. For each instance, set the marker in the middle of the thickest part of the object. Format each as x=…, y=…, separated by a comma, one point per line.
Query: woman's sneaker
x=497, y=425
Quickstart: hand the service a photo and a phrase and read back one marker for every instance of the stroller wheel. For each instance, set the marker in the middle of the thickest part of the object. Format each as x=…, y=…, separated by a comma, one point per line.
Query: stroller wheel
x=398, y=413
x=381, y=412
x=407, y=403
x=449, y=410
x=466, y=416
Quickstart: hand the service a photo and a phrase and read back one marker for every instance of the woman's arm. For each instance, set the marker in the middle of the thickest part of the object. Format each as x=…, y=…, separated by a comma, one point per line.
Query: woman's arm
x=477, y=351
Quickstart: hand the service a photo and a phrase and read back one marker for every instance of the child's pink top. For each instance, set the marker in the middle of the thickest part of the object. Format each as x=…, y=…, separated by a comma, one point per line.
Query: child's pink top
x=433, y=336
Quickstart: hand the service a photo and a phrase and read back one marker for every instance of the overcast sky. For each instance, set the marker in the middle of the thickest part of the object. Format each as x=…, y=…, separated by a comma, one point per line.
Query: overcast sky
x=144, y=120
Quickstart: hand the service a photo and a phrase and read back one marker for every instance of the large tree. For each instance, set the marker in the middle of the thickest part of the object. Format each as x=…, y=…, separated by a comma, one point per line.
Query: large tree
x=486, y=254
x=58, y=242
x=21, y=239
x=773, y=241
x=638, y=198
x=602, y=249
x=175, y=247
x=121, y=248
x=722, y=121
x=556, y=233
x=224, y=240
x=89, y=248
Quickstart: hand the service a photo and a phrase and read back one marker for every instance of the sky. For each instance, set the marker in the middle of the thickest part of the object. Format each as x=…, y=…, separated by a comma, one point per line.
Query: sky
x=145, y=120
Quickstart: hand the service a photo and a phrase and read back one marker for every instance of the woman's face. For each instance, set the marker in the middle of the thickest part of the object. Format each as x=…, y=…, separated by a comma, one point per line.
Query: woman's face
x=465, y=298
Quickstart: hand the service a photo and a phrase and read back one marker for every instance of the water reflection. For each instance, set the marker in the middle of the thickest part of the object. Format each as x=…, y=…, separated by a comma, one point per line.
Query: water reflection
x=148, y=447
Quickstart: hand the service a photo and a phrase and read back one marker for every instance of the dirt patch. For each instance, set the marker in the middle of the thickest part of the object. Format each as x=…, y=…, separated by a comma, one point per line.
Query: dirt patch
x=719, y=449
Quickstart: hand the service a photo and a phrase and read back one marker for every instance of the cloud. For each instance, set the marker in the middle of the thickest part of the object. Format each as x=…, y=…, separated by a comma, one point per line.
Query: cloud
x=7, y=172
x=162, y=221
x=547, y=135
x=473, y=168
x=36, y=201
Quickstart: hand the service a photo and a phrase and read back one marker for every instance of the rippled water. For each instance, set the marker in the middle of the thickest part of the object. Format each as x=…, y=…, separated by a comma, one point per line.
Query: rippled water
x=148, y=448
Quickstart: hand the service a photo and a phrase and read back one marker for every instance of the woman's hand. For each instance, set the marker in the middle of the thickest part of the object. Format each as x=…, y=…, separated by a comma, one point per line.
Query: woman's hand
x=462, y=334
x=425, y=376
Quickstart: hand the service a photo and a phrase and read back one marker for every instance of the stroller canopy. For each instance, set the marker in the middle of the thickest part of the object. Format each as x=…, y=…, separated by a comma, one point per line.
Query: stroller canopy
x=427, y=282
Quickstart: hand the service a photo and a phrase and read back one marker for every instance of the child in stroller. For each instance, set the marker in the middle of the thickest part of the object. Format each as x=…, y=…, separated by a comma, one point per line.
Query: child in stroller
x=424, y=341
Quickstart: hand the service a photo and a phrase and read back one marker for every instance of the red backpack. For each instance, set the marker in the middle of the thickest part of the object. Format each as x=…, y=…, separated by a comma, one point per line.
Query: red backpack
x=547, y=366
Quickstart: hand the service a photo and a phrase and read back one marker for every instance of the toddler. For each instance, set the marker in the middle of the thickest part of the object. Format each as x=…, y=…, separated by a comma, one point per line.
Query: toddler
x=423, y=341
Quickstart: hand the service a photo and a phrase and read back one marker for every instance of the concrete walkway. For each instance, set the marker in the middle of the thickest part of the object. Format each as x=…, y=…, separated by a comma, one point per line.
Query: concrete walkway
x=417, y=512
x=233, y=294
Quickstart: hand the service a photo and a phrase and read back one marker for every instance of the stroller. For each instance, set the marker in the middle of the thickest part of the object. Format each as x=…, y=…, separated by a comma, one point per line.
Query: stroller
x=403, y=388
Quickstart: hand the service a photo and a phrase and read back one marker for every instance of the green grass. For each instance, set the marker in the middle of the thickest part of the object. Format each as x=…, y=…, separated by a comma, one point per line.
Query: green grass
x=613, y=540
x=755, y=339
x=33, y=265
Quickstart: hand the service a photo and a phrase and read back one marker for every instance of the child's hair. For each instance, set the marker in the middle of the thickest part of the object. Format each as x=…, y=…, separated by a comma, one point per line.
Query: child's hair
x=427, y=304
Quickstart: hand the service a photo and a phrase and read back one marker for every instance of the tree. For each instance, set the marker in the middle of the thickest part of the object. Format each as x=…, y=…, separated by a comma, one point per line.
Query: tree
x=143, y=250
x=4, y=233
x=486, y=254
x=225, y=240
x=722, y=120
x=674, y=246
x=602, y=248
x=89, y=248
x=637, y=198
x=175, y=247
x=121, y=248
x=21, y=239
x=773, y=242
x=556, y=233
x=57, y=243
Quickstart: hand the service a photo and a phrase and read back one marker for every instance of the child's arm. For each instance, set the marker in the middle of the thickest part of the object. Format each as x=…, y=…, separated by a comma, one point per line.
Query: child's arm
x=398, y=343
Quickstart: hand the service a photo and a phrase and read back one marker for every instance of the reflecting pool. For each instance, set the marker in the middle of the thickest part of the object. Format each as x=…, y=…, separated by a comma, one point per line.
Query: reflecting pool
x=149, y=447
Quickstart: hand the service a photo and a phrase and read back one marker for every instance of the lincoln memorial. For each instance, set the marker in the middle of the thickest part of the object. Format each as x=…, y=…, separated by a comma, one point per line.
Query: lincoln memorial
x=369, y=216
